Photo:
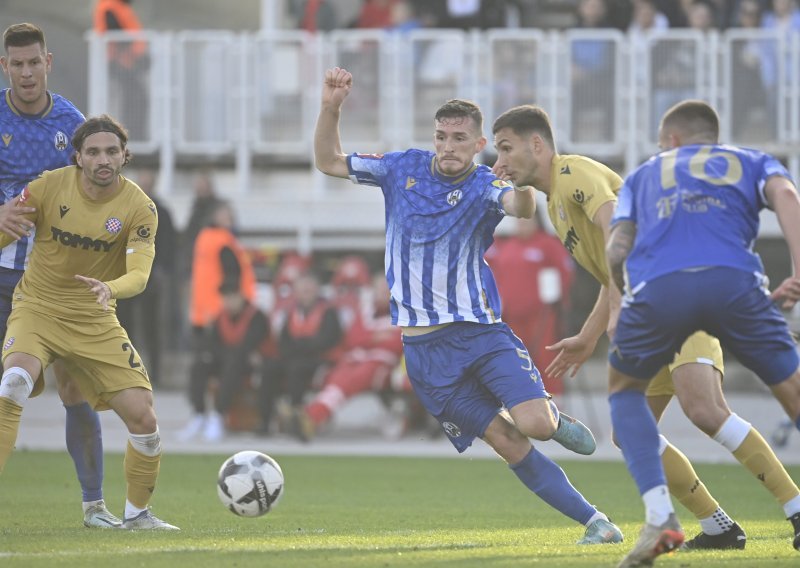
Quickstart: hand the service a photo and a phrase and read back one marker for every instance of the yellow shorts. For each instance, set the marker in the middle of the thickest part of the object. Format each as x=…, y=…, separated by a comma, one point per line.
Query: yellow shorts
x=98, y=354
x=699, y=348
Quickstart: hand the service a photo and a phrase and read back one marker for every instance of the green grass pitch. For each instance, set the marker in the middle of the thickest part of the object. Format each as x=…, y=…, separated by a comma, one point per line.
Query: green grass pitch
x=361, y=512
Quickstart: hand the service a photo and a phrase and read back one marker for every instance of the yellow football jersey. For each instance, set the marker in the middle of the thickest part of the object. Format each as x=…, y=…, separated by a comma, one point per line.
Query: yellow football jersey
x=78, y=235
x=578, y=187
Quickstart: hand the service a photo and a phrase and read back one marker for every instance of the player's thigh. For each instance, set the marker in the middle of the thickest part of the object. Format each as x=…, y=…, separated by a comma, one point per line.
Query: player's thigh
x=439, y=370
x=36, y=335
x=8, y=281
x=652, y=326
x=698, y=387
x=104, y=362
x=508, y=371
x=135, y=407
x=752, y=327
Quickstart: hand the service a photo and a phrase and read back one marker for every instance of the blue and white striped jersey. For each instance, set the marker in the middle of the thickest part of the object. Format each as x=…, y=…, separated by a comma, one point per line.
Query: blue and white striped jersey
x=437, y=231
x=29, y=145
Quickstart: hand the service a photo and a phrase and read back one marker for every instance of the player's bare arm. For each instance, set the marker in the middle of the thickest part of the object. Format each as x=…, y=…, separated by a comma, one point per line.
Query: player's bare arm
x=15, y=219
x=98, y=288
x=328, y=155
x=619, y=247
x=574, y=351
x=520, y=202
x=783, y=199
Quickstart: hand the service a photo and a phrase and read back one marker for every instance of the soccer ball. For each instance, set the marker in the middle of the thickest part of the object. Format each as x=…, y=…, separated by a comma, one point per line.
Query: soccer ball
x=250, y=483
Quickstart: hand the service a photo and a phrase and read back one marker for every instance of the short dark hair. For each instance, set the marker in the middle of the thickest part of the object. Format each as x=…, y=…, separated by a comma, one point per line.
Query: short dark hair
x=22, y=35
x=694, y=118
x=460, y=108
x=526, y=119
x=102, y=123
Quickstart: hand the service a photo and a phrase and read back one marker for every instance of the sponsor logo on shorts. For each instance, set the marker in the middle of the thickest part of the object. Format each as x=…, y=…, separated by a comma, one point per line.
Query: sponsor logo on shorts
x=7, y=345
x=451, y=429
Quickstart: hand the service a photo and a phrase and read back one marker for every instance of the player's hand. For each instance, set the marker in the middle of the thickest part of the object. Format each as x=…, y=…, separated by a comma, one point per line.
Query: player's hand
x=336, y=87
x=13, y=221
x=572, y=354
x=98, y=288
x=788, y=293
x=500, y=172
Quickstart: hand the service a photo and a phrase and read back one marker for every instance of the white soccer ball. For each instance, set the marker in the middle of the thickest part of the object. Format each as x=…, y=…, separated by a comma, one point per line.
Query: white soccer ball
x=250, y=483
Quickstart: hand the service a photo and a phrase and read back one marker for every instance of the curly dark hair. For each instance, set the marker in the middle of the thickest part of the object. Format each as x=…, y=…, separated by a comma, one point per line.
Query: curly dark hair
x=102, y=123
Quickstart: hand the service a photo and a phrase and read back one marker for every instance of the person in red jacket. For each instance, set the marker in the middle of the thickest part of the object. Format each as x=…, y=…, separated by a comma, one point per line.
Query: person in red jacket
x=534, y=273
x=371, y=350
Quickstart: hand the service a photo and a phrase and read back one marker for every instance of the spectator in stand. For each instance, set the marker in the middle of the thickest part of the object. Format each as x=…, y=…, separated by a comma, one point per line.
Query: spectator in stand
x=316, y=15
x=204, y=204
x=130, y=64
x=784, y=18
x=372, y=349
x=592, y=65
x=376, y=14
x=473, y=14
x=534, y=274
x=647, y=19
x=753, y=68
x=292, y=266
x=147, y=317
x=309, y=333
x=702, y=15
x=231, y=354
x=218, y=256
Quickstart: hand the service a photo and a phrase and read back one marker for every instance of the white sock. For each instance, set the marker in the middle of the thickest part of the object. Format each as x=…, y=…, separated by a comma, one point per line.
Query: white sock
x=732, y=433
x=131, y=510
x=718, y=523
x=792, y=507
x=657, y=505
x=598, y=515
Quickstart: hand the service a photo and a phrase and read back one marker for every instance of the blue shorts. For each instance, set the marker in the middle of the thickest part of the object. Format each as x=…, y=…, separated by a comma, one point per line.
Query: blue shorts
x=727, y=303
x=8, y=282
x=465, y=373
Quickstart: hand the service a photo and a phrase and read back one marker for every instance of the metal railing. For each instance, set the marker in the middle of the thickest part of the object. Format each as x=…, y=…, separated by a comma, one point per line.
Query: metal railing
x=246, y=96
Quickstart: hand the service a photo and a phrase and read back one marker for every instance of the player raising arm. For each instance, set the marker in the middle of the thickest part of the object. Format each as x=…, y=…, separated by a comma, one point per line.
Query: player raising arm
x=465, y=365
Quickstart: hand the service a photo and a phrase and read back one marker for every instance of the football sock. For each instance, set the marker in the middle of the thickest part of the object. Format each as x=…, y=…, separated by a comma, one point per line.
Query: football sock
x=797, y=422
x=792, y=507
x=685, y=485
x=10, y=415
x=544, y=477
x=141, y=472
x=716, y=523
x=753, y=452
x=637, y=436
x=657, y=505
x=85, y=446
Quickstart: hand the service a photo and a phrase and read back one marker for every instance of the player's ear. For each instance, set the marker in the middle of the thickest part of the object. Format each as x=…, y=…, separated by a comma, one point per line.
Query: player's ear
x=48, y=62
x=481, y=144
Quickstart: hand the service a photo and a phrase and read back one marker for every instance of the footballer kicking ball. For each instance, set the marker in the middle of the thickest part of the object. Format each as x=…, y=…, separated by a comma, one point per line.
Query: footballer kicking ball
x=250, y=483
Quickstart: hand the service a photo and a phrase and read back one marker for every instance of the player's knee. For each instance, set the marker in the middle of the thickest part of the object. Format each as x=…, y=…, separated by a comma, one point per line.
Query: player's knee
x=147, y=444
x=708, y=418
x=16, y=385
x=538, y=425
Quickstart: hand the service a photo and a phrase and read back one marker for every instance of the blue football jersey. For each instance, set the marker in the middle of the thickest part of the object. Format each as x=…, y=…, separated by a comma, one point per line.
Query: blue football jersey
x=29, y=145
x=437, y=231
x=695, y=206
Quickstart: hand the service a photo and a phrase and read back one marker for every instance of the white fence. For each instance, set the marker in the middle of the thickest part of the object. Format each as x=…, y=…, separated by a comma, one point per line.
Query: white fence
x=244, y=96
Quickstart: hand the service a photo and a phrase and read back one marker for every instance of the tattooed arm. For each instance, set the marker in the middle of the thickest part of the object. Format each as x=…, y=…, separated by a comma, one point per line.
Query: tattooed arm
x=619, y=247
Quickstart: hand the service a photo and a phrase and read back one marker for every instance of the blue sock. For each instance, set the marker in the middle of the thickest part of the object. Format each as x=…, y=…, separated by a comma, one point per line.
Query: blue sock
x=544, y=477
x=85, y=445
x=637, y=436
x=797, y=422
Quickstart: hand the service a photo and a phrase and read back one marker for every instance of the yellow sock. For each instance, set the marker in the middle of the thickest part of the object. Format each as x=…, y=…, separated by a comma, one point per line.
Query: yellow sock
x=755, y=454
x=141, y=472
x=684, y=484
x=10, y=415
